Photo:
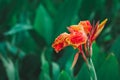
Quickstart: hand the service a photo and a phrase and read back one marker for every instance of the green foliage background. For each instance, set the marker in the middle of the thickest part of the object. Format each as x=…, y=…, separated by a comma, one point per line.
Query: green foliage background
x=29, y=27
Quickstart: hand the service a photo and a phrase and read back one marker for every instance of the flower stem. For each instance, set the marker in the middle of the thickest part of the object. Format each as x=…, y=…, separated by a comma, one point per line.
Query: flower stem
x=89, y=63
x=91, y=67
x=92, y=70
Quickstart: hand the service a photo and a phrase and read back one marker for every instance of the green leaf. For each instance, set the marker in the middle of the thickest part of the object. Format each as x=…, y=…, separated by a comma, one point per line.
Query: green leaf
x=39, y=40
x=43, y=23
x=18, y=28
x=115, y=48
x=27, y=43
x=65, y=59
x=45, y=64
x=14, y=50
x=55, y=71
x=98, y=57
x=83, y=73
x=87, y=9
x=44, y=75
x=50, y=6
x=9, y=67
x=3, y=51
x=108, y=38
x=110, y=70
x=64, y=76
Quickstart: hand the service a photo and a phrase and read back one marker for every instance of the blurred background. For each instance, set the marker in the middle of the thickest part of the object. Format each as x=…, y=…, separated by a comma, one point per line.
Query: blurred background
x=29, y=27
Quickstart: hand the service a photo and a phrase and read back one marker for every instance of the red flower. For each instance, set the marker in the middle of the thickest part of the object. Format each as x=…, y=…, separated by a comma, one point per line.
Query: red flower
x=82, y=34
x=78, y=35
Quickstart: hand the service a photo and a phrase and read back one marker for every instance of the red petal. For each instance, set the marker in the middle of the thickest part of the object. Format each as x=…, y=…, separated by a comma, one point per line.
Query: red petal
x=98, y=30
x=86, y=25
x=60, y=42
x=77, y=38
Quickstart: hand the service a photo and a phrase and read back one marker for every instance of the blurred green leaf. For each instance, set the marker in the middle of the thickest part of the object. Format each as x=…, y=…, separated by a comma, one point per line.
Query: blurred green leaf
x=108, y=38
x=115, y=48
x=39, y=40
x=64, y=76
x=18, y=28
x=109, y=69
x=3, y=51
x=88, y=9
x=49, y=7
x=45, y=64
x=10, y=68
x=98, y=56
x=44, y=75
x=14, y=50
x=65, y=58
x=83, y=73
x=43, y=23
x=28, y=44
x=55, y=71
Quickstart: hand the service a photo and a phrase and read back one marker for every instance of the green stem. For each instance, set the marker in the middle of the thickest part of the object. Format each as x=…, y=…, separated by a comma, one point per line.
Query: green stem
x=92, y=70
x=91, y=67
x=89, y=63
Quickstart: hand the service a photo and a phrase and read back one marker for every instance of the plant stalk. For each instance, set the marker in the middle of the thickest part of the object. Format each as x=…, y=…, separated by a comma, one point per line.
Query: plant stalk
x=91, y=67
x=92, y=71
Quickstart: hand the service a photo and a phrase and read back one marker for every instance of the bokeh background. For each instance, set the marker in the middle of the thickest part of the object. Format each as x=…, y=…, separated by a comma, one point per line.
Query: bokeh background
x=29, y=27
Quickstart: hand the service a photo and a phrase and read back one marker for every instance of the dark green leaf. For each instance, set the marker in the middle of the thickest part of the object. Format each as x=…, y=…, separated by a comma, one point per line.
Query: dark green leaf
x=83, y=73
x=55, y=71
x=115, y=48
x=109, y=69
x=64, y=76
x=43, y=23
x=44, y=75
x=18, y=28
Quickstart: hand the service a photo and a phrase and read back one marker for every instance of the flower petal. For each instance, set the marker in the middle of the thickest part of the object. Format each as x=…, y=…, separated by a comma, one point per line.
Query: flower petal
x=75, y=60
x=77, y=38
x=60, y=42
x=86, y=25
x=99, y=29
x=75, y=28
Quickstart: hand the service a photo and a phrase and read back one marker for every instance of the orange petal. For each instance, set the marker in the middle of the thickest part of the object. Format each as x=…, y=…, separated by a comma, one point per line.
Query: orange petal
x=86, y=25
x=60, y=42
x=75, y=28
x=75, y=60
x=99, y=29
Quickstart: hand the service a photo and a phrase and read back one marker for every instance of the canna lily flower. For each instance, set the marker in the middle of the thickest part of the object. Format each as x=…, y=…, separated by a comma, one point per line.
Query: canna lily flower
x=82, y=34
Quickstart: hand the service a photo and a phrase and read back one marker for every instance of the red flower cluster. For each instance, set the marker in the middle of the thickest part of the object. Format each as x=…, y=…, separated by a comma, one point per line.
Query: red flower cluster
x=79, y=34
